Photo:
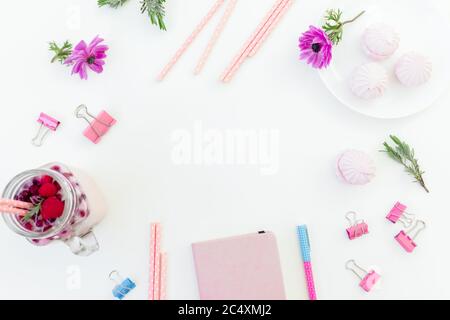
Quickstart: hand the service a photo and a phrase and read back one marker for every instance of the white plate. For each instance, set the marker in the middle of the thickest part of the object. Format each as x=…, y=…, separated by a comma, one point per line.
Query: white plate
x=422, y=29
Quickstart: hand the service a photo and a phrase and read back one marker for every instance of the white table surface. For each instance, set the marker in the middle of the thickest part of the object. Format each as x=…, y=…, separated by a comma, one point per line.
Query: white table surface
x=133, y=165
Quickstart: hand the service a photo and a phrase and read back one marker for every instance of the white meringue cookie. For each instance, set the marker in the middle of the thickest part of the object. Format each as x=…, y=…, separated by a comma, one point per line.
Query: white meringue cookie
x=355, y=167
x=369, y=81
x=380, y=41
x=413, y=69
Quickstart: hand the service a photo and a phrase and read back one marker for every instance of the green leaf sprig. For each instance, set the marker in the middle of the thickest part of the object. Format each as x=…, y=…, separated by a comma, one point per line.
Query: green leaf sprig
x=156, y=11
x=402, y=153
x=61, y=53
x=112, y=3
x=333, y=26
x=33, y=211
x=154, y=8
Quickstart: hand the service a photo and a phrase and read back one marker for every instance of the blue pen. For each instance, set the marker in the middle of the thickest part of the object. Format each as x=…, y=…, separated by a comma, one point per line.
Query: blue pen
x=305, y=251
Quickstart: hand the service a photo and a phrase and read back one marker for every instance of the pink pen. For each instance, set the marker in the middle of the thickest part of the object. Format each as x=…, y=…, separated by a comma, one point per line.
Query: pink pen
x=305, y=249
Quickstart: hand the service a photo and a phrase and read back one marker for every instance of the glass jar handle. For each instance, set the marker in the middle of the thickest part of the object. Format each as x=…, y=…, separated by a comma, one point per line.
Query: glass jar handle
x=83, y=245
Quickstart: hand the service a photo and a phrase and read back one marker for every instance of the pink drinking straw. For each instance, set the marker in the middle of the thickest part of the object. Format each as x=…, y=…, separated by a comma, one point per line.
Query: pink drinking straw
x=163, y=277
x=253, y=40
x=190, y=39
x=155, y=261
x=275, y=19
x=151, y=288
x=157, y=283
x=20, y=208
x=219, y=29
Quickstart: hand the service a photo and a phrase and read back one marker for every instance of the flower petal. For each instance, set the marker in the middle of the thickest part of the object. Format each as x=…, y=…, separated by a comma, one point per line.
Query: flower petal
x=96, y=67
x=80, y=46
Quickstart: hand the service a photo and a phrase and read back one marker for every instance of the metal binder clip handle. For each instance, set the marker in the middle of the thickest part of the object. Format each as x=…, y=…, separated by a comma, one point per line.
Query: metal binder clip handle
x=82, y=113
x=356, y=269
x=368, y=278
x=42, y=133
x=419, y=226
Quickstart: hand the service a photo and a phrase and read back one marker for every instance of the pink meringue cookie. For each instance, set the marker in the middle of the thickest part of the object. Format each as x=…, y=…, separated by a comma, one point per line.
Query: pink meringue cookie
x=369, y=81
x=413, y=69
x=380, y=41
x=355, y=167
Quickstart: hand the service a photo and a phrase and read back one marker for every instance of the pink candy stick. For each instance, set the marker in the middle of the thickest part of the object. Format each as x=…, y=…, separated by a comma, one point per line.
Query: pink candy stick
x=190, y=39
x=215, y=36
x=269, y=28
x=243, y=53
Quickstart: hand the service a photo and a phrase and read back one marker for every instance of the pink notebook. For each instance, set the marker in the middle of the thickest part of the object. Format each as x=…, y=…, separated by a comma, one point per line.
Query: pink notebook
x=239, y=268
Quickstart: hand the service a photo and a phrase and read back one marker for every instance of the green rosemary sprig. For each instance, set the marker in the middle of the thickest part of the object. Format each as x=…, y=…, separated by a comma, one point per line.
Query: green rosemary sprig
x=333, y=26
x=404, y=154
x=61, y=53
x=112, y=3
x=156, y=11
x=33, y=211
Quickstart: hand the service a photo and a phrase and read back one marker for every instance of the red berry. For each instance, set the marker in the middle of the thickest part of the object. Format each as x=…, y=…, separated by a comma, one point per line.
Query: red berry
x=52, y=208
x=46, y=179
x=57, y=186
x=47, y=190
x=34, y=190
x=28, y=226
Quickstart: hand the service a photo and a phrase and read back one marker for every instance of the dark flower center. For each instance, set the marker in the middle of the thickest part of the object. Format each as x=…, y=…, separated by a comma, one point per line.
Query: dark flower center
x=91, y=60
x=316, y=47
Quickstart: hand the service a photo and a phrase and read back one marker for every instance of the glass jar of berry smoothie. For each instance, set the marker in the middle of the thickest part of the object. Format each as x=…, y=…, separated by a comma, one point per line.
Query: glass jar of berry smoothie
x=60, y=209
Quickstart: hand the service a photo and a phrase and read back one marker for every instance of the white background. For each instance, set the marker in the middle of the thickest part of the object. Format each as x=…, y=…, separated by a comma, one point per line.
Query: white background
x=134, y=169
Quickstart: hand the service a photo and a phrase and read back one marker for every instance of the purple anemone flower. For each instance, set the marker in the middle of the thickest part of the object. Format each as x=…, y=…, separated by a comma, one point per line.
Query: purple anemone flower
x=84, y=56
x=316, y=48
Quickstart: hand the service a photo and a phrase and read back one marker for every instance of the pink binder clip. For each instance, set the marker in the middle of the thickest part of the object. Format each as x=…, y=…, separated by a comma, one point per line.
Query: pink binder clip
x=406, y=240
x=368, y=278
x=47, y=123
x=398, y=213
x=357, y=227
x=98, y=126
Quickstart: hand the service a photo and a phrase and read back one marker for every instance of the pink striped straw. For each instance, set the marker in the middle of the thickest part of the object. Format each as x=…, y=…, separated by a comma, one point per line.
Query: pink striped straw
x=8, y=206
x=274, y=21
x=157, y=283
x=163, y=277
x=190, y=39
x=151, y=287
x=240, y=57
x=155, y=262
x=11, y=210
x=251, y=42
x=219, y=29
